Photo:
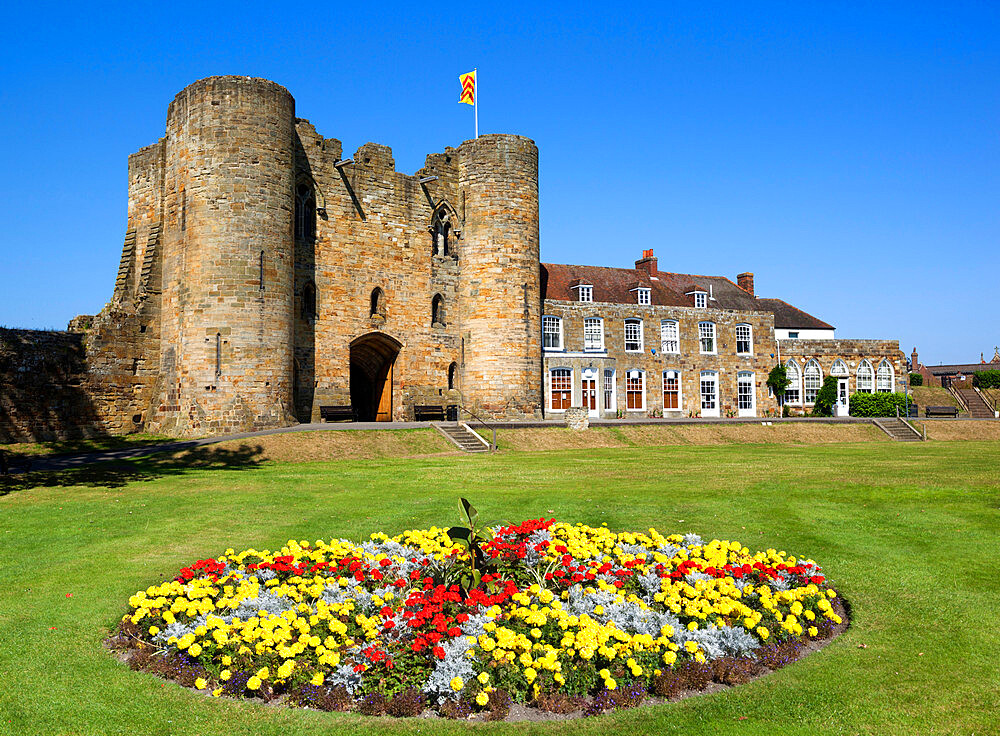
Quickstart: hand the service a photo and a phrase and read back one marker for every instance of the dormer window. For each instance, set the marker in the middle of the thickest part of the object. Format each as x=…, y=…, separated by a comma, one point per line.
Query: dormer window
x=700, y=299
x=643, y=296
x=584, y=292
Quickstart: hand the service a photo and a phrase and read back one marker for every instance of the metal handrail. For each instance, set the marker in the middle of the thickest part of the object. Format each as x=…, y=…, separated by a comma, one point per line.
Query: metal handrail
x=958, y=397
x=493, y=445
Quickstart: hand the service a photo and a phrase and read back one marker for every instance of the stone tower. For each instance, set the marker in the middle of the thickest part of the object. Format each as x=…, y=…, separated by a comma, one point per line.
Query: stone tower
x=226, y=351
x=499, y=290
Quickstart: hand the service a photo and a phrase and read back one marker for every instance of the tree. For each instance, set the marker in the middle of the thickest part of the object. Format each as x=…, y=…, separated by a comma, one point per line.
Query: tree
x=778, y=381
x=826, y=398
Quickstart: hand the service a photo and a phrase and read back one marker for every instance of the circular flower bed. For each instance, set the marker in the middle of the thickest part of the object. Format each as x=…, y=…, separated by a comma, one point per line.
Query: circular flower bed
x=564, y=617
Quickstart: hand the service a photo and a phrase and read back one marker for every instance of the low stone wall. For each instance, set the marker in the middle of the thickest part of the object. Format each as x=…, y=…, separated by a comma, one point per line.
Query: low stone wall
x=577, y=417
x=43, y=387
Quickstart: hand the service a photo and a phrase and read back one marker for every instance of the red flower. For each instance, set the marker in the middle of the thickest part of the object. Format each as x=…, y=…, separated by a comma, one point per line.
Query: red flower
x=438, y=652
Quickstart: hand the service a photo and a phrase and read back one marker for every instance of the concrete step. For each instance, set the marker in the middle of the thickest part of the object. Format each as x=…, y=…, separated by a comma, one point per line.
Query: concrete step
x=463, y=439
x=898, y=430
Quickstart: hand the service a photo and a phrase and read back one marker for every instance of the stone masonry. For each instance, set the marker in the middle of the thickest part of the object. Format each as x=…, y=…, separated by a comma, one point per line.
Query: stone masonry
x=267, y=276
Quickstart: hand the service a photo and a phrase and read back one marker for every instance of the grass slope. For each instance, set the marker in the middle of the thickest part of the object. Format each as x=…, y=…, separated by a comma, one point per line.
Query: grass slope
x=908, y=533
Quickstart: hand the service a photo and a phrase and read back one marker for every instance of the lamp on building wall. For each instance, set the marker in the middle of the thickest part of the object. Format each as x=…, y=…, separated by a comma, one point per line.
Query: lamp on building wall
x=427, y=179
x=343, y=162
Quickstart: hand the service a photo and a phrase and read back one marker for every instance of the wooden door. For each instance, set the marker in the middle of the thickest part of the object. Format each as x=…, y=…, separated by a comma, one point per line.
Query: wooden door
x=384, y=413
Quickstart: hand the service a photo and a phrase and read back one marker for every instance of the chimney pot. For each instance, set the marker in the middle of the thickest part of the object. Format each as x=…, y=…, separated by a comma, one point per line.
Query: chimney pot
x=745, y=282
x=647, y=263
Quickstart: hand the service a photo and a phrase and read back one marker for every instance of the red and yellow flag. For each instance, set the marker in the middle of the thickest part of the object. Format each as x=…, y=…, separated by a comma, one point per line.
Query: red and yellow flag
x=468, y=88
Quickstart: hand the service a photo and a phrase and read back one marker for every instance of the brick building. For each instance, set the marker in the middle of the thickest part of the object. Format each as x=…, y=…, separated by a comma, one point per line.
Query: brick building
x=265, y=274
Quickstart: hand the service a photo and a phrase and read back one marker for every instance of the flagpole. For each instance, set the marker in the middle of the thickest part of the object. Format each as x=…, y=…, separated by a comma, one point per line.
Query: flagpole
x=475, y=101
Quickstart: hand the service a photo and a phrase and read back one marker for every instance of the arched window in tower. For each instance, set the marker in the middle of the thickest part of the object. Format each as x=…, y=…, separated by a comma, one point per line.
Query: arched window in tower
x=309, y=301
x=437, y=311
x=377, y=303
x=305, y=212
x=452, y=372
x=441, y=233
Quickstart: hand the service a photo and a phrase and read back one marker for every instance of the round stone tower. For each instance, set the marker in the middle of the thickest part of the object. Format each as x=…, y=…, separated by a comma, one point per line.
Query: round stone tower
x=499, y=297
x=226, y=351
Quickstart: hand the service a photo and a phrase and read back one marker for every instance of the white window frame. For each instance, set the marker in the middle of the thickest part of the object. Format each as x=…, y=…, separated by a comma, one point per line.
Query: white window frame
x=584, y=292
x=748, y=341
x=571, y=390
x=643, y=296
x=839, y=369
x=746, y=377
x=701, y=299
x=702, y=337
x=547, y=320
x=715, y=411
x=794, y=374
x=680, y=390
x=608, y=377
x=665, y=340
x=629, y=322
x=599, y=345
x=866, y=386
x=808, y=395
x=891, y=379
x=630, y=375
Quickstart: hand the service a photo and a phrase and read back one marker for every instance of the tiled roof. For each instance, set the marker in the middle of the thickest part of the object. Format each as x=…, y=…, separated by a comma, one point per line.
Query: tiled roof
x=788, y=317
x=610, y=284
x=966, y=368
x=671, y=289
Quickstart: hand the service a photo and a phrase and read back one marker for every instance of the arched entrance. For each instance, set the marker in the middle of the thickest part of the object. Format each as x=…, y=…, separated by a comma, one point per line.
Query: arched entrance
x=372, y=358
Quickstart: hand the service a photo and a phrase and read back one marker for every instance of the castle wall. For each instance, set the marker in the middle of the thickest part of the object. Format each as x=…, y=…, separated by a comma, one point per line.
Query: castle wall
x=689, y=361
x=227, y=262
x=500, y=294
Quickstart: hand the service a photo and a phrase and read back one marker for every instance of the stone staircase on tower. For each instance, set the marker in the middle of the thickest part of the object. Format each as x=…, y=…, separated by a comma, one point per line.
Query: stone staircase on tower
x=463, y=438
x=976, y=404
x=899, y=430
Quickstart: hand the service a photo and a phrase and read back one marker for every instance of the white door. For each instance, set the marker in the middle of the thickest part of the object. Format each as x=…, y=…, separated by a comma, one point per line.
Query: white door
x=843, y=398
x=746, y=395
x=710, y=394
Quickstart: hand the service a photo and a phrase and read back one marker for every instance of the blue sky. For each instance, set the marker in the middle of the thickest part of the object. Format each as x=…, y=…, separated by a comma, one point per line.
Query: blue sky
x=848, y=154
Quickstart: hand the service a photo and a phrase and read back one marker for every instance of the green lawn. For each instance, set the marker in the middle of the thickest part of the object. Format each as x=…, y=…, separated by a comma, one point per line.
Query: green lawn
x=909, y=533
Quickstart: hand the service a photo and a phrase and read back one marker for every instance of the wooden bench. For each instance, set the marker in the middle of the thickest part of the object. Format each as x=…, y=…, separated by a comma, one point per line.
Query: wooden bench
x=940, y=411
x=427, y=412
x=337, y=413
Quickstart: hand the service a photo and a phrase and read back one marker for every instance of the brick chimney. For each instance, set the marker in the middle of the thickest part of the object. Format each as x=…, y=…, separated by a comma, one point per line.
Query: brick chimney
x=647, y=263
x=745, y=282
x=914, y=362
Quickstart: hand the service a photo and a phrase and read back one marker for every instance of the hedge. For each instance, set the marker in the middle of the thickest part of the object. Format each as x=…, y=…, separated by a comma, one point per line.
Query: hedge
x=916, y=379
x=986, y=379
x=878, y=405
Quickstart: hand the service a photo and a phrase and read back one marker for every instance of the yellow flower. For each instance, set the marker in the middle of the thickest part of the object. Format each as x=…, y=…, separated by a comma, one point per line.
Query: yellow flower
x=610, y=684
x=154, y=630
x=482, y=699
x=483, y=678
x=763, y=633
x=457, y=683
x=253, y=683
x=530, y=674
x=200, y=683
x=262, y=673
x=217, y=692
x=813, y=631
x=227, y=660
x=194, y=650
x=225, y=675
x=317, y=679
